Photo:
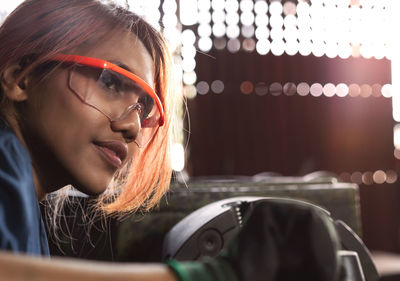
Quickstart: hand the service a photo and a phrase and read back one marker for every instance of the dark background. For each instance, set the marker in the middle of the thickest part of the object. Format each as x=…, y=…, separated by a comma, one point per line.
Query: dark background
x=233, y=133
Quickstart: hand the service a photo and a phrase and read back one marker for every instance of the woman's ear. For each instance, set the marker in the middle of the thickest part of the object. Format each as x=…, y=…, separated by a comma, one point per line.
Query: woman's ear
x=13, y=89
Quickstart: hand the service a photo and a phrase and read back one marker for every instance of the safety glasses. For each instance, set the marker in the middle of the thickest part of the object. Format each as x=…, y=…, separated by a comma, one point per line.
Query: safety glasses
x=116, y=93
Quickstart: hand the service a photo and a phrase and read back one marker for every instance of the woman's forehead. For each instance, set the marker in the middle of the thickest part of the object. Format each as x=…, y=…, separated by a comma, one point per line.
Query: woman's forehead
x=124, y=49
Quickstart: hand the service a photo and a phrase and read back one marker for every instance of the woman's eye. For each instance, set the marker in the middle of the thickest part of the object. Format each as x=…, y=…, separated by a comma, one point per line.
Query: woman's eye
x=146, y=104
x=139, y=109
x=110, y=81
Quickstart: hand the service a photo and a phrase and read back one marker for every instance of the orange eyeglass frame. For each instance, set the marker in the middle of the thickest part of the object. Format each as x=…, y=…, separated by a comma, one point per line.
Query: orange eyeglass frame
x=103, y=64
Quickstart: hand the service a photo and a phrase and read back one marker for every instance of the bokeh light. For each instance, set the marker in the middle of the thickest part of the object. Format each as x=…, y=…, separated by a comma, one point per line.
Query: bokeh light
x=289, y=89
x=261, y=89
x=246, y=87
x=248, y=45
x=205, y=44
x=396, y=136
x=220, y=43
x=290, y=21
x=204, y=30
x=262, y=32
x=367, y=178
x=397, y=153
x=303, y=89
x=232, y=31
x=275, y=8
x=246, y=5
x=219, y=29
x=202, y=5
x=9, y=6
x=261, y=20
x=217, y=86
x=379, y=176
x=177, y=157
x=261, y=7
x=188, y=37
x=376, y=90
x=232, y=18
x=318, y=48
x=328, y=28
x=218, y=16
x=204, y=17
x=188, y=64
x=344, y=50
x=275, y=89
x=316, y=89
x=329, y=90
x=289, y=8
x=387, y=90
x=247, y=18
x=391, y=176
x=169, y=20
x=276, y=21
x=188, y=51
x=217, y=5
x=248, y=31
x=303, y=9
x=202, y=88
x=263, y=47
x=342, y=90
x=356, y=177
x=366, y=91
x=233, y=45
x=231, y=6
x=291, y=47
x=190, y=91
x=305, y=47
x=169, y=6
x=277, y=47
x=345, y=177
x=332, y=50
x=189, y=78
x=354, y=90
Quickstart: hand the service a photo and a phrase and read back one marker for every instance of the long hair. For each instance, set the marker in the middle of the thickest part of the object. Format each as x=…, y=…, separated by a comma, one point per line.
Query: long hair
x=43, y=28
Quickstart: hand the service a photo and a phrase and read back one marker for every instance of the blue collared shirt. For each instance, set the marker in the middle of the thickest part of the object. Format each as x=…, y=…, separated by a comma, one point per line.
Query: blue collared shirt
x=21, y=225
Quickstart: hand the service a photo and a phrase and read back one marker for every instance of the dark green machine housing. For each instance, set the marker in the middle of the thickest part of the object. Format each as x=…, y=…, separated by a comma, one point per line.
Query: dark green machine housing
x=139, y=237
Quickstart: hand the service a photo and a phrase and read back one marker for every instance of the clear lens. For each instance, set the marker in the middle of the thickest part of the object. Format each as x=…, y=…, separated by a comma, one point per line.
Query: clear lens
x=117, y=97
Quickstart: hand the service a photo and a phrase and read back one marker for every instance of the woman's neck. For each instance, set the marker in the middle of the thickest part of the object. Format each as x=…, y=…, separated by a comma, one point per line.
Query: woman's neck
x=40, y=193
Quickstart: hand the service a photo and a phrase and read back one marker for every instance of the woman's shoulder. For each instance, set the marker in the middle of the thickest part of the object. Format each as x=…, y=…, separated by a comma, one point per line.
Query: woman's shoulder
x=13, y=155
x=21, y=226
x=15, y=164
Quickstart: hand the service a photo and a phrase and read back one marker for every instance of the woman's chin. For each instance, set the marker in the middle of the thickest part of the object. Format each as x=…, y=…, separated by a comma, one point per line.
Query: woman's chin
x=91, y=189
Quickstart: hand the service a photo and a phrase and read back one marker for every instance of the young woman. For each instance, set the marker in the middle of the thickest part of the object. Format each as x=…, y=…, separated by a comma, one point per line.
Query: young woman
x=87, y=100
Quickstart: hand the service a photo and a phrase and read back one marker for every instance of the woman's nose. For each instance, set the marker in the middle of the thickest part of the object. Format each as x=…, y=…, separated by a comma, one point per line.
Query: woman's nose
x=129, y=126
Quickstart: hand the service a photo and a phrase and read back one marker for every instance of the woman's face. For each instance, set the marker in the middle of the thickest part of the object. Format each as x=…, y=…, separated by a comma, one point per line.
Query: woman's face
x=71, y=142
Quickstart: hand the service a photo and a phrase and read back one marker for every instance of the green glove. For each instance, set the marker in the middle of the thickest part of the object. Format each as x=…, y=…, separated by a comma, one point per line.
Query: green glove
x=283, y=240
x=208, y=269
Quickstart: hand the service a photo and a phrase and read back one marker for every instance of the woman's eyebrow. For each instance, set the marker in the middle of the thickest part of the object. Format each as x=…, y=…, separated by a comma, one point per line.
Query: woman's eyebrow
x=120, y=64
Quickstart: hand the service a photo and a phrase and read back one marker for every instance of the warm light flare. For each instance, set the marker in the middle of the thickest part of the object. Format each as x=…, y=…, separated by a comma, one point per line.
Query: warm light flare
x=396, y=136
x=188, y=12
x=177, y=157
x=395, y=45
x=9, y=6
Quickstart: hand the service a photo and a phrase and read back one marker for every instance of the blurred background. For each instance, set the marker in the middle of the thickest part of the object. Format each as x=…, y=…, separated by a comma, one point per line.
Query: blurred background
x=293, y=87
x=288, y=88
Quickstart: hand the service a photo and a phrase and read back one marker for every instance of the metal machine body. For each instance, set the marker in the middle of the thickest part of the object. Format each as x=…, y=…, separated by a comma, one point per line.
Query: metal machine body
x=206, y=231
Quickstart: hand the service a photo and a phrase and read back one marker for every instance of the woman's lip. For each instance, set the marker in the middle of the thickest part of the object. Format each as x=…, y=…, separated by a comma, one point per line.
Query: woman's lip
x=114, y=151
